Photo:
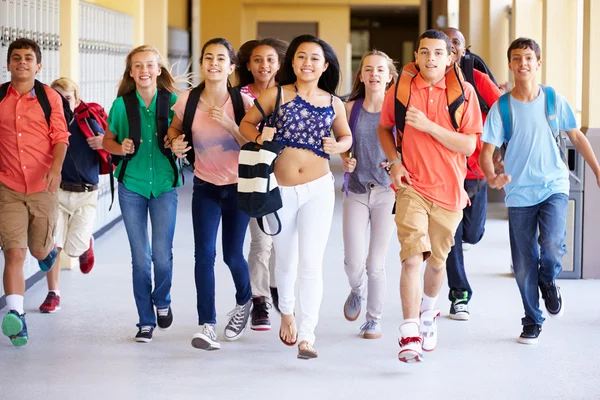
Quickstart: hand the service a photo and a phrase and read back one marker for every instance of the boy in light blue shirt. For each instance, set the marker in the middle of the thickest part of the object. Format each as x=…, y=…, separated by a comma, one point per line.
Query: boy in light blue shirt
x=536, y=181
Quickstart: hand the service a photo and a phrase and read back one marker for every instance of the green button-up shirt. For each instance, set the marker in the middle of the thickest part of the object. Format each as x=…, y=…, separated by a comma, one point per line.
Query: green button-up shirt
x=149, y=172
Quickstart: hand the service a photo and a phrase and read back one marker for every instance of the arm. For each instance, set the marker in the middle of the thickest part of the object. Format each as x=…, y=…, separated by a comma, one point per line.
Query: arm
x=388, y=145
x=248, y=127
x=53, y=176
x=175, y=138
x=348, y=107
x=486, y=161
x=342, y=140
x=110, y=144
x=59, y=135
x=583, y=146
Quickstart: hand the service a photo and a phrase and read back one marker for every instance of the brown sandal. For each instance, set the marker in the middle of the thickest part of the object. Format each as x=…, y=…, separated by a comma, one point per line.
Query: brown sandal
x=291, y=326
x=308, y=352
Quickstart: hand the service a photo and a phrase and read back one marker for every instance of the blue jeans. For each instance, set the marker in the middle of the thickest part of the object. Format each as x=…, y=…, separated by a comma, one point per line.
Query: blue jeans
x=212, y=204
x=470, y=230
x=541, y=262
x=163, y=213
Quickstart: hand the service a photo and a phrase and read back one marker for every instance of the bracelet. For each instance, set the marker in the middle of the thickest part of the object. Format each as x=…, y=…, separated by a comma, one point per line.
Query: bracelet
x=256, y=138
x=388, y=168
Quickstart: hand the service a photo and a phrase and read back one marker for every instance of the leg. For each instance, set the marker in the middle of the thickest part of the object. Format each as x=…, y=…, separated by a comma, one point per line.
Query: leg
x=552, y=225
x=314, y=225
x=258, y=260
x=62, y=232
x=382, y=229
x=206, y=216
x=163, y=214
x=523, y=224
x=134, y=209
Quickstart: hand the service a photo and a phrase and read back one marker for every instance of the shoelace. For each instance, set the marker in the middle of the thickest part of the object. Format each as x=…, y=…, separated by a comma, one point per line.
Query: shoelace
x=367, y=325
x=237, y=317
x=460, y=307
x=262, y=310
x=162, y=312
x=355, y=302
x=209, y=331
x=406, y=340
x=146, y=329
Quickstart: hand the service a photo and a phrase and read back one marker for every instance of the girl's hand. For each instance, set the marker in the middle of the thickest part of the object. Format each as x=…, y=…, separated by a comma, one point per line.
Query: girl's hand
x=330, y=145
x=127, y=146
x=267, y=135
x=349, y=164
x=179, y=147
x=219, y=115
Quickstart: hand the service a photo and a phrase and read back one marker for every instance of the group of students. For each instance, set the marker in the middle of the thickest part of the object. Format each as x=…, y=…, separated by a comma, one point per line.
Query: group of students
x=404, y=142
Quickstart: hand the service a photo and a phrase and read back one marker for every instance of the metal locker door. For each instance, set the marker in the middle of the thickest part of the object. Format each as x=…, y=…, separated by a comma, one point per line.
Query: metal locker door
x=56, y=40
x=4, y=39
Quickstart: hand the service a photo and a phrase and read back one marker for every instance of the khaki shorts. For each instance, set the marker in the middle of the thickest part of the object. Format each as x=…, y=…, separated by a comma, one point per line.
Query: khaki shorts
x=424, y=227
x=27, y=220
x=76, y=217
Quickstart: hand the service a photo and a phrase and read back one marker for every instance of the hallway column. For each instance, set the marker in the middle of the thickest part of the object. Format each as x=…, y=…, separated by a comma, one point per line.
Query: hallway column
x=156, y=25
x=526, y=19
x=498, y=39
x=590, y=121
x=474, y=26
x=559, y=47
x=69, y=37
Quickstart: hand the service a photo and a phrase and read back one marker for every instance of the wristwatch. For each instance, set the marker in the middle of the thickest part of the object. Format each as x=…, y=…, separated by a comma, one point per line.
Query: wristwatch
x=388, y=168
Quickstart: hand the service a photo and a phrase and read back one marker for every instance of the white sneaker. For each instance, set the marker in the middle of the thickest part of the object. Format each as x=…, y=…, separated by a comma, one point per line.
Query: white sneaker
x=410, y=343
x=206, y=339
x=429, y=329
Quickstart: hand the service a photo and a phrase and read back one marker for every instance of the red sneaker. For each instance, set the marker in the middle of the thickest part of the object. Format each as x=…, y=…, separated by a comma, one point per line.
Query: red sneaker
x=86, y=260
x=51, y=304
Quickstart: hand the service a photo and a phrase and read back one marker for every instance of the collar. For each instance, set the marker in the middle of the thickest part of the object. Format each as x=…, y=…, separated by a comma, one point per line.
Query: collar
x=152, y=107
x=422, y=84
x=32, y=94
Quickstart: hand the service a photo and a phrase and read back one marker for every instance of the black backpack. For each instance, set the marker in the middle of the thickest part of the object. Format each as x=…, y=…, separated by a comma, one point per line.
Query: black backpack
x=191, y=106
x=468, y=63
x=132, y=108
x=40, y=92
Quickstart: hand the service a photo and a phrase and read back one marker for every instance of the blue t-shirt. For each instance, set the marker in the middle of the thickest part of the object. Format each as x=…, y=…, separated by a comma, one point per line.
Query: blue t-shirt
x=532, y=158
x=81, y=162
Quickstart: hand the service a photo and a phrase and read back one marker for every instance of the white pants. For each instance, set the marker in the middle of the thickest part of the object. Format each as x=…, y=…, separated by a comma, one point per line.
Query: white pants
x=261, y=261
x=360, y=210
x=300, y=246
x=76, y=218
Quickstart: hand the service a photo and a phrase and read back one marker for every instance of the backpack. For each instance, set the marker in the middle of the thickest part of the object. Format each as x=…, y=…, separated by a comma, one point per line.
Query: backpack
x=42, y=97
x=551, y=116
x=83, y=113
x=258, y=192
x=468, y=63
x=191, y=106
x=352, y=123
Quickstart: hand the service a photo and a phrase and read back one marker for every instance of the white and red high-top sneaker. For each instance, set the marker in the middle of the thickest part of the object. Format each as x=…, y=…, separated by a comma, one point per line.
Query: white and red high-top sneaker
x=429, y=329
x=410, y=343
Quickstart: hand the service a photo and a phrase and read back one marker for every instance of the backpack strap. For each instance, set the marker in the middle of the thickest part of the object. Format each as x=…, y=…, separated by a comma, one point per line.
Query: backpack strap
x=239, y=110
x=505, y=115
x=42, y=97
x=551, y=116
x=132, y=108
x=3, y=90
x=188, y=118
x=467, y=66
x=352, y=123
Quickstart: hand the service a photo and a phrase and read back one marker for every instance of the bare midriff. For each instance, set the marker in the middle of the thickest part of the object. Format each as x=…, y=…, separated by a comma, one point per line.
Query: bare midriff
x=299, y=166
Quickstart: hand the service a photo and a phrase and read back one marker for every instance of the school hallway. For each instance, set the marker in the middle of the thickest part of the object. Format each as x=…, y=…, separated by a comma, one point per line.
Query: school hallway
x=87, y=350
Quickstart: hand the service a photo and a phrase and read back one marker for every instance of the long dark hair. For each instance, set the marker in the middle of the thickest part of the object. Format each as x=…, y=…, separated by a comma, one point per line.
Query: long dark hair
x=358, y=87
x=243, y=74
x=230, y=52
x=330, y=78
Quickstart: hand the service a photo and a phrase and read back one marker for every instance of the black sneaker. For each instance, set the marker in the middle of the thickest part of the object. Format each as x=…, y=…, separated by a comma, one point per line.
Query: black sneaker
x=275, y=298
x=459, y=308
x=144, y=334
x=238, y=321
x=164, y=317
x=260, y=314
x=552, y=299
x=530, y=334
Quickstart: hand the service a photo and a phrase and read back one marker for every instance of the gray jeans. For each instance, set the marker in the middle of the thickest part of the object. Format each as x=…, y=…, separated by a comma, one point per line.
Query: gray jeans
x=261, y=261
x=361, y=211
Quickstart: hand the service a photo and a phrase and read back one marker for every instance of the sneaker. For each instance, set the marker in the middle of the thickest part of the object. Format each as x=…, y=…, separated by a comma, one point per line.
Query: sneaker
x=459, y=308
x=14, y=326
x=206, y=339
x=370, y=330
x=47, y=263
x=352, y=306
x=260, y=314
x=530, y=334
x=144, y=334
x=410, y=342
x=86, y=260
x=51, y=304
x=164, y=317
x=552, y=299
x=239, y=320
x=429, y=329
x=275, y=298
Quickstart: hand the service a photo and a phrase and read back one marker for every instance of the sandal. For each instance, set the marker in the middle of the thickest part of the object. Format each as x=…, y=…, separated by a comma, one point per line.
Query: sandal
x=291, y=326
x=308, y=352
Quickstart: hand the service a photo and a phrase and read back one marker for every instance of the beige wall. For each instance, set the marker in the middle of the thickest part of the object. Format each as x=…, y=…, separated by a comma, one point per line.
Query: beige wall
x=178, y=14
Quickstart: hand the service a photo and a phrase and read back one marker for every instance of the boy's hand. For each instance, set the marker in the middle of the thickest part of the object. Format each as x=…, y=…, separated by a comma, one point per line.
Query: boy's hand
x=417, y=119
x=499, y=181
x=398, y=173
x=95, y=142
x=52, y=178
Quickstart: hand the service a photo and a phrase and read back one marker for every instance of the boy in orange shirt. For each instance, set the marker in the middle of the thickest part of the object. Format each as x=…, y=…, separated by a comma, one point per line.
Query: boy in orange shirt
x=32, y=151
x=428, y=168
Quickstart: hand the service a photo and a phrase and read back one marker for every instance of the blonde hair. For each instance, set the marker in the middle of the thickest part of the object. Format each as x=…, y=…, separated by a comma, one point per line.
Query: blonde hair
x=164, y=81
x=67, y=85
x=358, y=87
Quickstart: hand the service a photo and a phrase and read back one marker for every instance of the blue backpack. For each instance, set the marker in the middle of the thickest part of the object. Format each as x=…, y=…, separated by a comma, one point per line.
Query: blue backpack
x=560, y=136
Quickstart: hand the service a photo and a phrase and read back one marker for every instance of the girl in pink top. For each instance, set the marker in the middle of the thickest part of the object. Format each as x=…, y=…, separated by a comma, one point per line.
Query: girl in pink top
x=258, y=63
x=216, y=142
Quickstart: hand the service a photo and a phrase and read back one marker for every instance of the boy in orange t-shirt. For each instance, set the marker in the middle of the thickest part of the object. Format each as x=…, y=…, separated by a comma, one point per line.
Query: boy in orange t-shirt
x=429, y=177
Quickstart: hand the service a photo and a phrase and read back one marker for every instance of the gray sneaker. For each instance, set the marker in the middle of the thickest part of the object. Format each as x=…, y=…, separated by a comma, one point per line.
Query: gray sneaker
x=352, y=306
x=239, y=320
x=370, y=330
x=206, y=339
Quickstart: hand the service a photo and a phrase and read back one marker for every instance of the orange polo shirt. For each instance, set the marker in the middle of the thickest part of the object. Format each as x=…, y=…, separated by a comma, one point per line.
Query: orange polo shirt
x=26, y=140
x=437, y=173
